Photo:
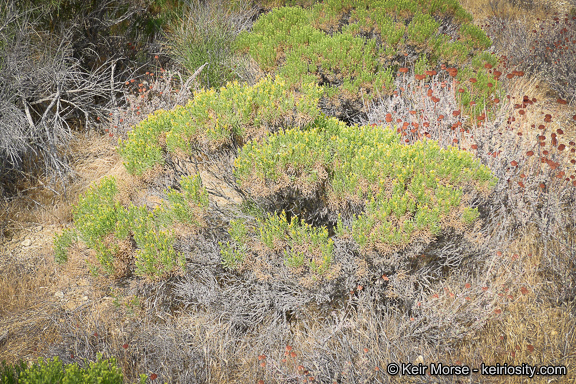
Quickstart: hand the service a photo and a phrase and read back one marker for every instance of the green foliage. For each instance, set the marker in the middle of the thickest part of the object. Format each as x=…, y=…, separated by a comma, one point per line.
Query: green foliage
x=421, y=28
x=156, y=256
x=421, y=65
x=474, y=36
x=298, y=242
x=238, y=231
x=62, y=243
x=454, y=53
x=105, y=254
x=142, y=151
x=95, y=213
x=52, y=371
x=9, y=373
x=233, y=252
x=193, y=190
x=309, y=45
x=390, y=31
x=102, y=223
x=299, y=149
x=483, y=58
x=232, y=256
x=406, y=191
x=187, y=205
x=308, y=53
x=161, y=16
x=205, y=34
x=485, y=88
x=470, y=215
x=217, y=120
x=279, y=30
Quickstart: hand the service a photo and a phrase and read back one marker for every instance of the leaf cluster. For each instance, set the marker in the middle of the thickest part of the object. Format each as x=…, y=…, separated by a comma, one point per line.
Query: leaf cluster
x=403, y=191
x=354, y=54
x=53, y=371
x=102, y=224
x=299, y=243
x=217, y=121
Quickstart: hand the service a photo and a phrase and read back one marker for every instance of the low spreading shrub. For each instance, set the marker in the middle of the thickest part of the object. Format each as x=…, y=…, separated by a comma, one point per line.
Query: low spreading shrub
x=233, y=252
x=219, y=121
x=62, y=243
x=96, y=213
x=9, y=373
x=188, y=206
x=142, y=150
x=52, y=371
x=359, y=183
x=298, y=242
x=104, y=225
x=326, y=42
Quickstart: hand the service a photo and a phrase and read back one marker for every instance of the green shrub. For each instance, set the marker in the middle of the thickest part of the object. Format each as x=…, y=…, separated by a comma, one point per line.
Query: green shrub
x=474, y=36
x=102, y=223
x=105, y=254
x=454, y=53
x=322, y=44
x=62, y=242
x=232, y=256
x=421, y=28
x=205, y=34
x=142, y=150
x=297, y=242
x=405, y=192
x=238, y=231
x=485, y=87
x=95, y=213
x=421, y=65
x=282, y=29
x=52, y=371
x=470, y=215
x=483, y=58
x=219, y=120
x=233, y=252
x=9, y=373
x=156, y=256
x=188, y=205
x=390, y=30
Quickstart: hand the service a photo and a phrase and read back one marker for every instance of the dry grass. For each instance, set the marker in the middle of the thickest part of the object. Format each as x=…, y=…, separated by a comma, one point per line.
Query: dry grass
x=29, y=277
x=26, y=305
x=537, y=326
x=40, y=202
x=526, y=10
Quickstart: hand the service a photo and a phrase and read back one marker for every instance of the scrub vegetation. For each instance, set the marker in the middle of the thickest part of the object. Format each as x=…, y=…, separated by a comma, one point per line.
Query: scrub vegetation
x=289, y=191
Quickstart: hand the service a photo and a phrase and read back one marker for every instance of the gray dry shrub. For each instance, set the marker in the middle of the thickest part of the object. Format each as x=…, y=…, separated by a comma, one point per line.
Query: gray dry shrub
x=46, y=94
x=546, y=50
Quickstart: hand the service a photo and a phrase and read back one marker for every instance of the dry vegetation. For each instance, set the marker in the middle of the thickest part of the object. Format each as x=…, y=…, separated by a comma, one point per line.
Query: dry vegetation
x=510, y=300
